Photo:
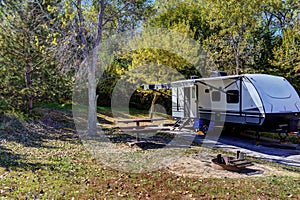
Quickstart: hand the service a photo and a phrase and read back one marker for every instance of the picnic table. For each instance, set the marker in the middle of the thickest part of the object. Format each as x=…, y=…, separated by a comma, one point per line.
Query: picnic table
x=139, y=128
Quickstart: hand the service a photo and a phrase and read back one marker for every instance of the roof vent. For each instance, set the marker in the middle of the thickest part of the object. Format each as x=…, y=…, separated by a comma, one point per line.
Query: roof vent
x=194, y=77
x=217, y=73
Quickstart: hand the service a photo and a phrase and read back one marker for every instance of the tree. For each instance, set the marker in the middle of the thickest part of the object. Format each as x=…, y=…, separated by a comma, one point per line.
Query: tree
x=27, y=72
x=233, y=45
x=286, y=60
x=281, y=15
x=184, y=16
x=283, y=20
x=81, y=29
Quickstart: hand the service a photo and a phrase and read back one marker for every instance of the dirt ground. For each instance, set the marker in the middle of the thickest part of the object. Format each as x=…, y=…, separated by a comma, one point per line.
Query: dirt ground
x=202, y=167
x=198, y=164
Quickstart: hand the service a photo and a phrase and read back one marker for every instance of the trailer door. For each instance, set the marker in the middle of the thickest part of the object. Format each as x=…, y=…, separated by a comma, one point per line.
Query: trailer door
x=177, y=102
x=190, y=102
x=194, y=101
x=187, y=102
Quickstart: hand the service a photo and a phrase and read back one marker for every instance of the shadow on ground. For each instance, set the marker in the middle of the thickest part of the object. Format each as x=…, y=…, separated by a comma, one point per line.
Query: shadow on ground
x=156, y=140
x=14, y=132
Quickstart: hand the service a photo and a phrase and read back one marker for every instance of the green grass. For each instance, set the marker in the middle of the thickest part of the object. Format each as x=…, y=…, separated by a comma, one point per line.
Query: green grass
x=55, y=165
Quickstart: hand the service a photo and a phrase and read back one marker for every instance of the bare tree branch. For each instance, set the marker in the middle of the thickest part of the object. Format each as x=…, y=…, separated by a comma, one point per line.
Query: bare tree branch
x=112, y=17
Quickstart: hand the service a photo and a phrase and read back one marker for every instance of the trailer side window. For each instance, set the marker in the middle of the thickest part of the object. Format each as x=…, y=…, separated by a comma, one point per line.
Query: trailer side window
x=232, y=96
x=215, y=95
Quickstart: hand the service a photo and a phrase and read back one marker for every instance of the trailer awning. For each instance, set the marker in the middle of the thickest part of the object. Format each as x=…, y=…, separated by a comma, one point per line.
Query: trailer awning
x=176, y=84
x=187, y=83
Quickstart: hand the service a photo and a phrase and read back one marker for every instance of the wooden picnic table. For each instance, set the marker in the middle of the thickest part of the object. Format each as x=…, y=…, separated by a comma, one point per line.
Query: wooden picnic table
x=138, y=128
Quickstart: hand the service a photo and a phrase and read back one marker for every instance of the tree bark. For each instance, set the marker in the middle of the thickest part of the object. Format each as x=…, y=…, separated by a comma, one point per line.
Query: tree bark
x=237, y=62
x=28, y=83
x=92, y=115
x=92, y=86
x=156, y=95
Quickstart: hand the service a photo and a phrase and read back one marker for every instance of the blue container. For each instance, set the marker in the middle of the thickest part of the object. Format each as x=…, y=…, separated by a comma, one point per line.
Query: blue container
x=198, y=123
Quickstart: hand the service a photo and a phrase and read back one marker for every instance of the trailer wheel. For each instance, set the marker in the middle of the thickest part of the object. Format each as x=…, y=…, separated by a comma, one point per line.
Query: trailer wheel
x=204, y=129
x=257, y=137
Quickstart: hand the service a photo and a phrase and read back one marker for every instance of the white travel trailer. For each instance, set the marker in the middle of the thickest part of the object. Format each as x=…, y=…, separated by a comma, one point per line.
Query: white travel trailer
x=262, y=101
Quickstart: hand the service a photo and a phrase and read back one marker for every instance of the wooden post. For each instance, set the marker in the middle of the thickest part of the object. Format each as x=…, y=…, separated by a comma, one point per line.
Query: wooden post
x=152, y=109
x=238, y=154
x=219, y=158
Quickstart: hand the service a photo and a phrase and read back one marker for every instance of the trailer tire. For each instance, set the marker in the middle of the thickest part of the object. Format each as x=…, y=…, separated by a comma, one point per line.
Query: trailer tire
x=204, y=129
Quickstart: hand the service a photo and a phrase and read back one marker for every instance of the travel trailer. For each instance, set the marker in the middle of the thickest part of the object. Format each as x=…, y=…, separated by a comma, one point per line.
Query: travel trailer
x=265, y=102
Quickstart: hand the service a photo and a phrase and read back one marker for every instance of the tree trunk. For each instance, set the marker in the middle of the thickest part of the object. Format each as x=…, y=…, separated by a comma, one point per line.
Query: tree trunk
x=28, y=83
x=156, y=95
x=92, y=115
x=92, y=123
x=92, y=127
x=91, y=65
x=237, y=58
x=237, y=67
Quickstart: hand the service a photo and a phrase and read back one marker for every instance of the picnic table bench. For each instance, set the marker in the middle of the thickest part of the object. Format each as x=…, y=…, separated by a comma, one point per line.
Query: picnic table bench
x=139, y=120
